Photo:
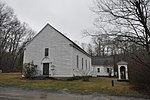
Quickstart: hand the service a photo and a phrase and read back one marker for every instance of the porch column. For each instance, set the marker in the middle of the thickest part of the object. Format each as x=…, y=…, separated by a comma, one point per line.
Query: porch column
x=119, y=72
x=126, y=72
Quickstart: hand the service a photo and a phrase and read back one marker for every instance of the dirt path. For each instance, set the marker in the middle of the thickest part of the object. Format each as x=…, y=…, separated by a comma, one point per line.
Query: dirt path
x=13, y=93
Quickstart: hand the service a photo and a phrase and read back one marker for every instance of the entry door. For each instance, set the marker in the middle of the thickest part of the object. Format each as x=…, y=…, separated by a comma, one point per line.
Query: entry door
x=45, y=68
x=122, y=71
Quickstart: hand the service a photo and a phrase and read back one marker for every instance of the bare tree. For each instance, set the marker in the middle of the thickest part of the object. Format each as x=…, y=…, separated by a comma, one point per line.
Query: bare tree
x=105, y=43
x=83, y=46
x=13, y=36
x=90, y=49
x=130, y=18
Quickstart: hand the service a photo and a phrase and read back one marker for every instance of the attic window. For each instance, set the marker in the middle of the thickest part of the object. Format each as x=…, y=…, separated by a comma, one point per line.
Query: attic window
x=46, y=52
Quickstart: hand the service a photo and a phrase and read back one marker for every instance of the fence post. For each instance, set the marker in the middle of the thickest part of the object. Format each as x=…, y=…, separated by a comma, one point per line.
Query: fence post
x=112, y=82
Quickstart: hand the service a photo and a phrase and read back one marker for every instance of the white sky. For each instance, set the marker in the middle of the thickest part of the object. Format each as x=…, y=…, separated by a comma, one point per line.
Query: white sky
x=68, y=16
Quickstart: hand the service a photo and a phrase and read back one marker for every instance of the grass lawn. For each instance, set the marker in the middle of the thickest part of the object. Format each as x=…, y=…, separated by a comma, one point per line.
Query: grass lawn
x=99, y=84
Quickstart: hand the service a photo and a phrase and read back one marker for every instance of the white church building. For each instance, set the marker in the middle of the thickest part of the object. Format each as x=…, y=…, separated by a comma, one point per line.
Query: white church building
x=56, y=55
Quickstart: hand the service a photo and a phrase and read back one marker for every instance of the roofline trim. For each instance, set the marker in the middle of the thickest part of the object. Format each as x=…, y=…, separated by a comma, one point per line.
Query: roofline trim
x=36, y=35
x=81, y=50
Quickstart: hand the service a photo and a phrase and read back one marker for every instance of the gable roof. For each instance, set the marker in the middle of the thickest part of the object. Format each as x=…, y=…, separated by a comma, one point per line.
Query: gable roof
x=102, y=61
x=73, y=44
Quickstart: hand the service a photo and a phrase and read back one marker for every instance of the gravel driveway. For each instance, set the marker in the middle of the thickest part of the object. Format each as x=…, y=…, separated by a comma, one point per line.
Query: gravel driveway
x=13, y=93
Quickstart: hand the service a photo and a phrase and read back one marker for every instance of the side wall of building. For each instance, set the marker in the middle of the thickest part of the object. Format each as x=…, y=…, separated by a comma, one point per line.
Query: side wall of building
x=102, y=70
x=81, y=63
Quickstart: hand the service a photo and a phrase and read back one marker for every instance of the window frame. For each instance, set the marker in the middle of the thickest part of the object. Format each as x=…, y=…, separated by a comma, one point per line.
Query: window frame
x=89, y=65
x=77, y=61
x=86, y=63
x=82, y=63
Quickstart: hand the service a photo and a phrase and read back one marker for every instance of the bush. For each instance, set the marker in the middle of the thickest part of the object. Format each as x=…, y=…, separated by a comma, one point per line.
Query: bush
x=29, y=70
x=85, y=78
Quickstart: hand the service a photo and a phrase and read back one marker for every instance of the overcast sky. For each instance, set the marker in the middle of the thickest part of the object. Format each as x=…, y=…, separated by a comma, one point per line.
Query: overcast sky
x=68, y=16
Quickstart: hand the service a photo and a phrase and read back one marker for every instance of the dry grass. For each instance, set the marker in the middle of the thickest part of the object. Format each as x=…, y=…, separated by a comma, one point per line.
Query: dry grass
x=100, y=84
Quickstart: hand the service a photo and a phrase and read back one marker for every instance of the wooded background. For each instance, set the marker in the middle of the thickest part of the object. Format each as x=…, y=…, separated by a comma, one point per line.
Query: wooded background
x=14, y=35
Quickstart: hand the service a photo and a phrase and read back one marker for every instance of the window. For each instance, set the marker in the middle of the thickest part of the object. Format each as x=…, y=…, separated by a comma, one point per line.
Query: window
x=82, y=63
x=89, y=65
x=46, y=52
x=107, y=70
x=98, y=70
x=77, y=61
x=86, y=63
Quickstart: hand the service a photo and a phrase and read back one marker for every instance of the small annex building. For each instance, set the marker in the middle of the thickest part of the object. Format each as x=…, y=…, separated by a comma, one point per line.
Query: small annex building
x=55, y=55
x=102, y=66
